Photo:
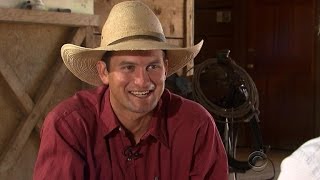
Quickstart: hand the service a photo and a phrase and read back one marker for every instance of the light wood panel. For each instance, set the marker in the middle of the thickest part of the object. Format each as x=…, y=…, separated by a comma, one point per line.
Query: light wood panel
x=171, y=14
x=44, y=17
x=12, y=151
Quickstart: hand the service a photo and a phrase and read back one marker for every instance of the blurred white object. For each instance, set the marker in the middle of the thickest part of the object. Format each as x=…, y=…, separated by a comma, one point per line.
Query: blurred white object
x=304, y=163
x=75, y=6
x=38, y=5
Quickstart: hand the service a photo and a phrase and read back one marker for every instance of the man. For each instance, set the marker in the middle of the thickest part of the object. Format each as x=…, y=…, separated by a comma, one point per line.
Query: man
x=129, y=127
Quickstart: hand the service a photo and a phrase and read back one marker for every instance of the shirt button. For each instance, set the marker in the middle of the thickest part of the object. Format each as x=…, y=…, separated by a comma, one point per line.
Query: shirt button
x=129, y=159
x=120, y=129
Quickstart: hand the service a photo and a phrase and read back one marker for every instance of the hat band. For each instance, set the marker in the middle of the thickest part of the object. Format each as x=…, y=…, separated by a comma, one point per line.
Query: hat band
x=147, y=37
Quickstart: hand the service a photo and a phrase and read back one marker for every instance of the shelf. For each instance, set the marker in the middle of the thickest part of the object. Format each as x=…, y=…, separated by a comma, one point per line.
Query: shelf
x=48, y=17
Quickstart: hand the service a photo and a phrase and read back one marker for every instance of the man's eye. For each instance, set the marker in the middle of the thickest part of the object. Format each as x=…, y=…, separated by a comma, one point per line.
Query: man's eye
x=153, y=67
x=128, y=68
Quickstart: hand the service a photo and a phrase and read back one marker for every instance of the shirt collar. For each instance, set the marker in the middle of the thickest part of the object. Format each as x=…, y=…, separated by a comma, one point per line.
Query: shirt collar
x=109, y=119
x=158, y=126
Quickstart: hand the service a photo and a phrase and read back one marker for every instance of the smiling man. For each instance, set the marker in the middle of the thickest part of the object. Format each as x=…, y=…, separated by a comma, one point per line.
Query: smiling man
x=136, y=82
x=130, y=126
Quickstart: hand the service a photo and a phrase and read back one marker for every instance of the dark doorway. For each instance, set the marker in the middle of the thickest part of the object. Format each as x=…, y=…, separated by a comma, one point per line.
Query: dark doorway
x=275, y=42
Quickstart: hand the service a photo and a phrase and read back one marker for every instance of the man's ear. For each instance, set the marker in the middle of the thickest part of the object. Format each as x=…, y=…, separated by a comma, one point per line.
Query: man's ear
x=103, y=72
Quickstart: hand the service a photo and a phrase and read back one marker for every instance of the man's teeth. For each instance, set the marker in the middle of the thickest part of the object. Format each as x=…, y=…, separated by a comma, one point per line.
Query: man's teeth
x=139, y=93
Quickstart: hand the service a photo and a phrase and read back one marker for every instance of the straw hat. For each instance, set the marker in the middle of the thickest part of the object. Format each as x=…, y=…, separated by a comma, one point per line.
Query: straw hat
x=131, y=25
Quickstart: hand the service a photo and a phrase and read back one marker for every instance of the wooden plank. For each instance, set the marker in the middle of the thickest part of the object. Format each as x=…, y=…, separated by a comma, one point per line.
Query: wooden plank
x=45, y=17
x=30, y=50
x=92, y=38
x=16, y=86
x=170, y=14
x=11, y=153
x=189, y=22
x=189, y=33
x=215, y=4
x=317, y=78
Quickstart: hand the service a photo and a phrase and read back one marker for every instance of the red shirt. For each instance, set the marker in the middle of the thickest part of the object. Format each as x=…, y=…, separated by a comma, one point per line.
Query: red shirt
x=82, y=139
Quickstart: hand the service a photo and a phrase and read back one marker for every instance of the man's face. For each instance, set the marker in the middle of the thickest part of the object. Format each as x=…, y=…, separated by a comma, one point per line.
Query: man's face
x=136, y=80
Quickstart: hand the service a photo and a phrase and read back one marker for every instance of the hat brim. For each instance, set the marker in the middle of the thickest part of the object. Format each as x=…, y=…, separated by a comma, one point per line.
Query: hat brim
x=82, y=61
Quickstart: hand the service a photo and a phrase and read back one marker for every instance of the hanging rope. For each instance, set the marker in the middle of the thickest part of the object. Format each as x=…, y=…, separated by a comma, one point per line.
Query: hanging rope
x=246, y=110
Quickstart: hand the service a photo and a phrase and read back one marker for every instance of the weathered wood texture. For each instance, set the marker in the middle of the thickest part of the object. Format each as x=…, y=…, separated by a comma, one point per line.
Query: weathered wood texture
x=30, y=73
x=11, y=151
x=44, y=17
x=170, y=13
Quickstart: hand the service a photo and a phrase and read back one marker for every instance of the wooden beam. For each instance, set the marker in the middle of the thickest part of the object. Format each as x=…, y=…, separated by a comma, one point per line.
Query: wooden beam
x=46, y=17
x=317, y=75
x=189, y=33
x=11, y=152
x=92, y=37
x=16, y=86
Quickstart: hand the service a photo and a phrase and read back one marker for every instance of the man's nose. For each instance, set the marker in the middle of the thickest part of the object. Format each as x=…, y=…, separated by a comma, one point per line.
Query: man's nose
x=142, y=77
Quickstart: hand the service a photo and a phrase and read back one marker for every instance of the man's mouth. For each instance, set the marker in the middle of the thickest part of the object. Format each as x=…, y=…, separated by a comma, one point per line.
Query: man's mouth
x=140, y=93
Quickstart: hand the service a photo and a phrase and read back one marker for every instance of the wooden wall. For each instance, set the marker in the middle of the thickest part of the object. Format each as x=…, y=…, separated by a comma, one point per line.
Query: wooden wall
x=216, y=30
x=276, y=42
x=222, y=24
x=33, y=79
x=28, y=54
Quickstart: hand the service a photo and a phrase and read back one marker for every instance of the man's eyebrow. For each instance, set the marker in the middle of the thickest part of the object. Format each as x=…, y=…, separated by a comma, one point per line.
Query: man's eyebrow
x=156, y=61
x=126, y=62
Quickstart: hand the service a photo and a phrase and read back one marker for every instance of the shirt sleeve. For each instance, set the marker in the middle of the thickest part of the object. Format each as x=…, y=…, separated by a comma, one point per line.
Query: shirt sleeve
x=210, y=161
x=60, y=155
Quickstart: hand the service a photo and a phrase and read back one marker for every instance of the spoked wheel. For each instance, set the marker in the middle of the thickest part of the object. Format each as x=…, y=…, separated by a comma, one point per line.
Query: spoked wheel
x=232, y=98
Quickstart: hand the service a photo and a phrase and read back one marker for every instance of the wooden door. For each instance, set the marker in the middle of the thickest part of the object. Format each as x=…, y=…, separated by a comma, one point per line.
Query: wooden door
x=280, y=58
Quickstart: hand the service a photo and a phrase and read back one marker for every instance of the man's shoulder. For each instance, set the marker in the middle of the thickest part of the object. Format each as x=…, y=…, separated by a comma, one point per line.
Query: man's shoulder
x=81, y=101
x=186, y=109
x=178, y=102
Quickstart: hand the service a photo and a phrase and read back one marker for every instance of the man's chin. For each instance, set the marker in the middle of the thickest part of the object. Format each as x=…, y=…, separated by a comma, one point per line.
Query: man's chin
x=143, y=109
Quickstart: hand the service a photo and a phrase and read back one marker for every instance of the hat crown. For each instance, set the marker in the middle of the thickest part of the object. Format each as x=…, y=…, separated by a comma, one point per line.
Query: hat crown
x=131, y=20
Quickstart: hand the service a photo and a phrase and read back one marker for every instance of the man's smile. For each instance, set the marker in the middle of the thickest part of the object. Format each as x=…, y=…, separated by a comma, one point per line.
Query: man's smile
x=140, y=93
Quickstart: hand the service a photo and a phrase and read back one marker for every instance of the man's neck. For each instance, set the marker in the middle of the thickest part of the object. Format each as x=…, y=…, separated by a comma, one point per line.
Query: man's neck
x=135, y=123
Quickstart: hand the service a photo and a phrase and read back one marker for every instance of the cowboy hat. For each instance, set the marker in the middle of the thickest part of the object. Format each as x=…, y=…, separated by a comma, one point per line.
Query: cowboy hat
x=131, y=25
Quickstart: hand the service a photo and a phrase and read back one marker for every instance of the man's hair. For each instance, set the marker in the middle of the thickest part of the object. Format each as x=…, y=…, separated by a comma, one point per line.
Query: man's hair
x=106, y=58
